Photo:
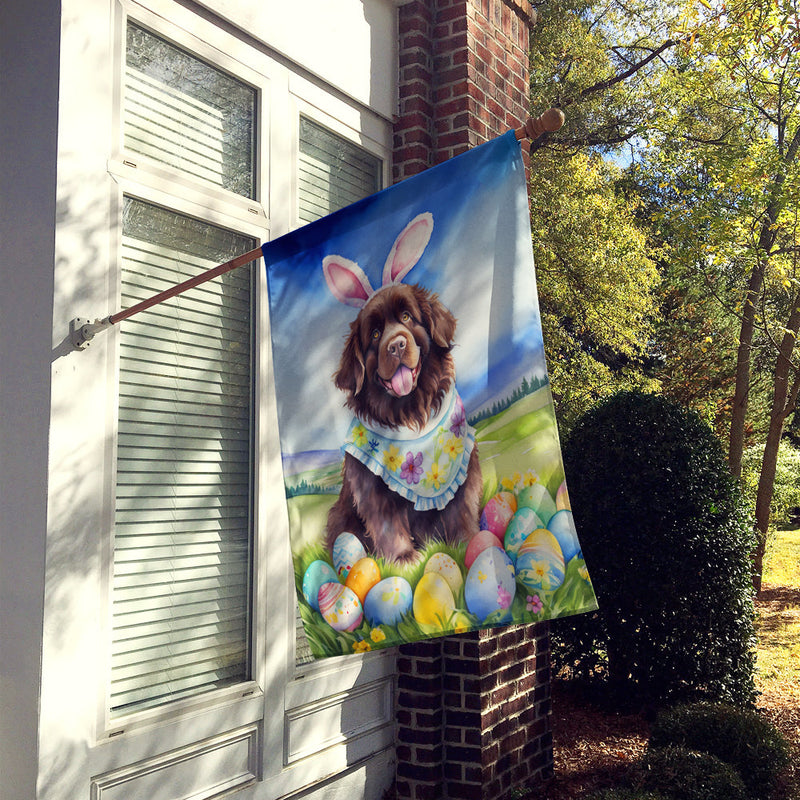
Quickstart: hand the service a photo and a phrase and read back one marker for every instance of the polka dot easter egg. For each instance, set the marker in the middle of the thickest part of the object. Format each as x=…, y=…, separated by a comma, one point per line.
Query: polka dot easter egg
x=347, y=549
x=388, y=601
x=497, y=513
x=540, y=563
x=317, y=573
x=446, y=566
x=522, y=524
x=490, y=586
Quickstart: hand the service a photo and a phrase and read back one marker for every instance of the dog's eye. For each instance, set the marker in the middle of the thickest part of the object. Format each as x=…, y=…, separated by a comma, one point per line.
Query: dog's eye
x=376, y=334
x=405, y=318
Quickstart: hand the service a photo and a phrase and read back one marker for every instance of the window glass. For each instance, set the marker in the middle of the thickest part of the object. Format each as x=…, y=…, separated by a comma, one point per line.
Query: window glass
x=333, y=172
x=183, y=541
x=187, y=114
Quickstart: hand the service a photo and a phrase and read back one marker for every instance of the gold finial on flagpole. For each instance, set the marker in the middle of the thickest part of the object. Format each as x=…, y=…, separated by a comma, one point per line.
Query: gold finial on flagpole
x=534, y=127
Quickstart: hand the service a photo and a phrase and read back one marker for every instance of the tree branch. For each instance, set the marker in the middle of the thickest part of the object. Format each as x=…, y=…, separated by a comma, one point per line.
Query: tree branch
x=601, y=86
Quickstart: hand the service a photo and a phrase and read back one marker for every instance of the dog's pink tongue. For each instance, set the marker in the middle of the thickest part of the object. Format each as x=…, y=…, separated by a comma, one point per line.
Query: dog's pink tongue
x=402, y=381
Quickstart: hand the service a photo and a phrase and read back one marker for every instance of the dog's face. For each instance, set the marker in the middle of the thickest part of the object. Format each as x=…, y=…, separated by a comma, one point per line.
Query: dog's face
x=396, y=366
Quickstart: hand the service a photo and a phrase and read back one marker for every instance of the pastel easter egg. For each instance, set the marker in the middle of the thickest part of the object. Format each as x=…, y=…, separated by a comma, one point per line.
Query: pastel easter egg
x=561, y=525
x=540, y=563
x=447, y=567
x=478, y=543
x=490, y=584
x=388, y=601
x=562, y=498
x=539, y=499
x=363, y=576
x=340, y=607
x=433, y=600
x=317, y=573
x=522, y=524
x=347, y=549
x=497, y=513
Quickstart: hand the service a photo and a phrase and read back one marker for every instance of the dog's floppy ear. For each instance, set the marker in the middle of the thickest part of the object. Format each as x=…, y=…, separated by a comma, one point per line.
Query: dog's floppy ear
x=352, y=370
x=441, y=323
x=347, y=281
x=407, y=248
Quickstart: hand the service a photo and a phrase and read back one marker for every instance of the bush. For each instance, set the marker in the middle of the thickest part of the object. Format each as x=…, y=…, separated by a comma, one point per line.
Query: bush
x=667, y=541
x=741, y=738
x=683, y=774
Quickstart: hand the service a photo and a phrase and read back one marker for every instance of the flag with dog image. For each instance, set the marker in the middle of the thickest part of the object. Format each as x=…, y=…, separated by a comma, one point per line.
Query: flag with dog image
x=424, y=482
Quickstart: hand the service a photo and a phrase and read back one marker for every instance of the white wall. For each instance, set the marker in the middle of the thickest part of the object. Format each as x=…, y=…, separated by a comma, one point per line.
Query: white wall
x=331, y=39
x=29, y=58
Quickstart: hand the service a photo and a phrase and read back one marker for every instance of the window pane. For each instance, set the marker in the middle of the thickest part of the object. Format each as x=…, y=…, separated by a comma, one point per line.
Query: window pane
x=182, y=542
x=333, y=172
x=185, y=113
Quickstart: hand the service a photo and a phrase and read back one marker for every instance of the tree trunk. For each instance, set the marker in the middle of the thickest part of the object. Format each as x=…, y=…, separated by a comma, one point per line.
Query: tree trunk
x=766, y=240
x=742, y=388
x=784, y=398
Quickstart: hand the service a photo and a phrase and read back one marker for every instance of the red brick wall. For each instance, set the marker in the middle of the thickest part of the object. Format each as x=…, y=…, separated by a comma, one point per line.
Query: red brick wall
x=473, y=711
x=463, y=77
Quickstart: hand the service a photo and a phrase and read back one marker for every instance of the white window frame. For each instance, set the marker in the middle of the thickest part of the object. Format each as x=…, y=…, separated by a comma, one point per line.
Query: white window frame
x=137, y=177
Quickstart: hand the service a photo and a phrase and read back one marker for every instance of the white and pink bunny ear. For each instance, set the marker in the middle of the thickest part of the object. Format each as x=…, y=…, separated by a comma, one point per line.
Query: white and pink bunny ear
x=347, y=281
x=407, y=248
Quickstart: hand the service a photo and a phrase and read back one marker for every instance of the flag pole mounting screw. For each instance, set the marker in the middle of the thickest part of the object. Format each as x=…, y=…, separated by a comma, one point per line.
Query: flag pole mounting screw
x=82, y=330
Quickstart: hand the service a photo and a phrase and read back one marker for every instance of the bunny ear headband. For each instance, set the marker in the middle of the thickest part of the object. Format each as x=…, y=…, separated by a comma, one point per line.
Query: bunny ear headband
x=350, y=285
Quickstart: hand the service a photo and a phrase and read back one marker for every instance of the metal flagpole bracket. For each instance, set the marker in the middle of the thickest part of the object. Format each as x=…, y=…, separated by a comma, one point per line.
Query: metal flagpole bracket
x=82, y=330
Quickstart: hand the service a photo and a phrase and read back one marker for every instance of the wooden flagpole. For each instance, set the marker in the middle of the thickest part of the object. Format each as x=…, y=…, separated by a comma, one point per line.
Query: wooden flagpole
x=82, y=331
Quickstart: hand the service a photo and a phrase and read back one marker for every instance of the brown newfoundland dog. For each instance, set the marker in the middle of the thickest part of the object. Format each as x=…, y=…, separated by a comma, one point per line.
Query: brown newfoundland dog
x=398, y=375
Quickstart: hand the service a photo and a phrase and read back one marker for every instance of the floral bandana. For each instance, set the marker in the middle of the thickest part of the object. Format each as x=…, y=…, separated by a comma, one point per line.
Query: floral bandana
x=425, y=467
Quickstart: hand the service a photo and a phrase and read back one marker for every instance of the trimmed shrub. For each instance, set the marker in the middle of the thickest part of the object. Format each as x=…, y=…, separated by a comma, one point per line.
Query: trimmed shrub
x=683, y=774
x=741, y=738
x=667, y=541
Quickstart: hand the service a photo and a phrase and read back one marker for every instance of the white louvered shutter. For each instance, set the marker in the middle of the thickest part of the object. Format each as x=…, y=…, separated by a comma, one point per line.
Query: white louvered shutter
x=333, y=173
x=182, y=543
x=181, y=593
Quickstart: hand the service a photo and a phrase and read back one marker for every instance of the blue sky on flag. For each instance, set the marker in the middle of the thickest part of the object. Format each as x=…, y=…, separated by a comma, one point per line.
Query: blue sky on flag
x=481, y=233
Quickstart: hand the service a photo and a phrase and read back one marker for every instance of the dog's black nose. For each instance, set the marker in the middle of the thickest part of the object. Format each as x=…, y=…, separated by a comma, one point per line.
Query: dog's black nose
x=397, y=346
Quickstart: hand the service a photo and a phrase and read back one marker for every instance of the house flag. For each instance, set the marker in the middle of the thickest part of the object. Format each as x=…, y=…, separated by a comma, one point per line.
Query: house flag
x=421, y=461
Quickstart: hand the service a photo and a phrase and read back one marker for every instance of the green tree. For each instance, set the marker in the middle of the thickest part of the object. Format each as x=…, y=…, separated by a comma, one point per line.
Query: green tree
x=725, y=149
x=597, y=279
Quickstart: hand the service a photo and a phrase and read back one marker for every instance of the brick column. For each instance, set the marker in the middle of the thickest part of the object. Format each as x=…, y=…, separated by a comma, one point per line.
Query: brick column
x=420, y=715
x=463, y=77
x=473, y=711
